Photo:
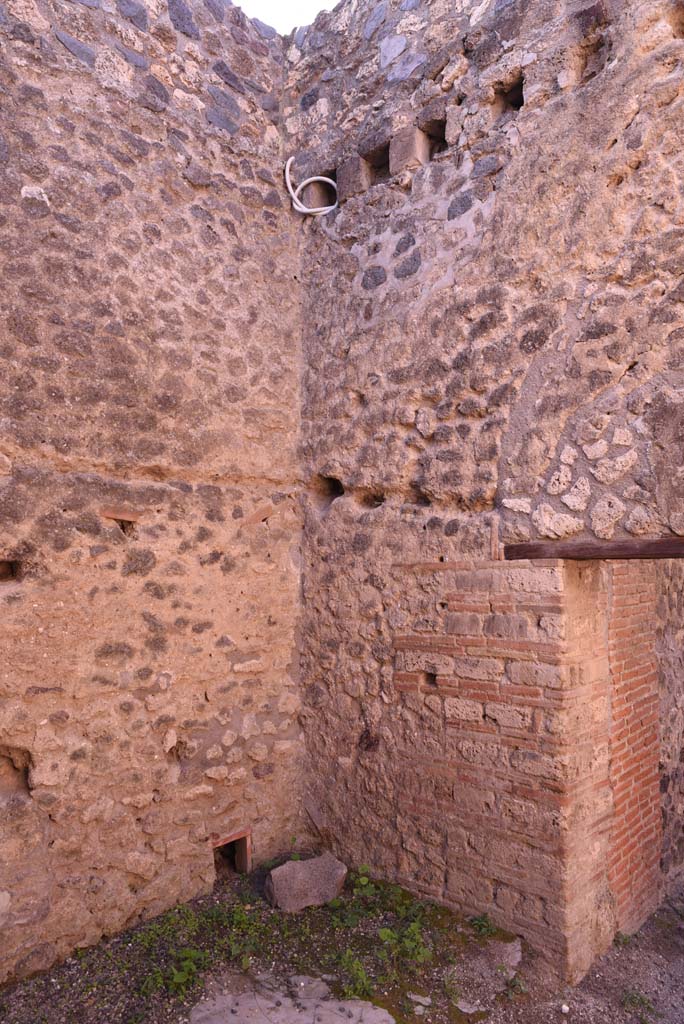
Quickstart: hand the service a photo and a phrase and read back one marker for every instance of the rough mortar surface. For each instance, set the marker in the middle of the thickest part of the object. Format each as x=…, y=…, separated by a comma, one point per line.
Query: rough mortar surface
x=150, y=346
x=256, y=472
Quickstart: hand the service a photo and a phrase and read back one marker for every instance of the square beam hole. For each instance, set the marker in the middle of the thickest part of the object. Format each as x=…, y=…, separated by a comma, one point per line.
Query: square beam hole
x=378, y=160
x=233, y=855
x=327, y=489
x=10, y=571
x=320, y=193
x=511, y=97
x=330, y=191
x=435, y=130
x=127, y=527
x=125, y=518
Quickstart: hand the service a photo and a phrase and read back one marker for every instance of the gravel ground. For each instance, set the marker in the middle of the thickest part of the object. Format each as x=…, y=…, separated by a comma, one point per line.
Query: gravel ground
x=639, y=981
x=415, y=960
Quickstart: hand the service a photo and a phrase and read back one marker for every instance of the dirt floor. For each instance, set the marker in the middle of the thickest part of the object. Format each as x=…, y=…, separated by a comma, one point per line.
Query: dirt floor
x=639, y=981
x=230, y=957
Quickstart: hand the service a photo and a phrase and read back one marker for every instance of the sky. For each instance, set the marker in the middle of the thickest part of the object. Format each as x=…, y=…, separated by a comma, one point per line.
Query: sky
x=284, y=15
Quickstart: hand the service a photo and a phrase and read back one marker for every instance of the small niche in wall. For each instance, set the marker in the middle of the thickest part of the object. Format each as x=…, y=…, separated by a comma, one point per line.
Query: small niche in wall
x=233, y=855
x=319, y=193
x=123, y=517
x=127, y=527
x=10, y=571
x=417, y=496
x=14, y=772
x=378, y=160
x=372, y=499
x=436, y=133
x=593, y=56
x=328, y=191
x=510, y=98
x=327, y=489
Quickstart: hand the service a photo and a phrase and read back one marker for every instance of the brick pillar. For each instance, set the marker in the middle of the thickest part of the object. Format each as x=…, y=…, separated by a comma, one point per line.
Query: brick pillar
x=516, y=690
x=611, y=703
x=525, y=738
x=585, y=913
x=636, y=835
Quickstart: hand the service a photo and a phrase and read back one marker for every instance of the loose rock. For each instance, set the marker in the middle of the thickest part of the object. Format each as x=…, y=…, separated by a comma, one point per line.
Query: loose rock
x=305, y=883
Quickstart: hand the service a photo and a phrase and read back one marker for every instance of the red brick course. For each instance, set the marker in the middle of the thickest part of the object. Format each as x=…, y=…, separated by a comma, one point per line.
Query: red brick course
x=636, y=839
x=537, y=690
x=493, y=677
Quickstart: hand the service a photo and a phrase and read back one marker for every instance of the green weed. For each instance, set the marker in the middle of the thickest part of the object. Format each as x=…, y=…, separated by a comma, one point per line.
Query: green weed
x=515, y=986
x=362, y=884
x=152, y=982
x=637, y=1002
x=404, y=950
x=358, y=985
x=451, y=989
x=185, y=971
x=483, y=926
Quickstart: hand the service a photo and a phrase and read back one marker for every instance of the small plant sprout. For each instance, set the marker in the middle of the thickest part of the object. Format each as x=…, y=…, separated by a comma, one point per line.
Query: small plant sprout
x=638, y=1003
x=483, y=926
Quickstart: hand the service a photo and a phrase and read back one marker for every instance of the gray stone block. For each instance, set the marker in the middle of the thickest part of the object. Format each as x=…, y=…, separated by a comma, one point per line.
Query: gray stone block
x=305, y=883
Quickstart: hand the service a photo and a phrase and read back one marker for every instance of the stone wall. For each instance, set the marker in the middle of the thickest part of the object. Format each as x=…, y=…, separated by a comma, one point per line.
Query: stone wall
x=524, y=289
x=482, y=345
x=150, y=529
x=491, y=332
x=472, y=724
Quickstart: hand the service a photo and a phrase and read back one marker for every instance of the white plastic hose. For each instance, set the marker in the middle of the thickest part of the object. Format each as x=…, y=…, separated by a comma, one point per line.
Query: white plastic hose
x=295, y=193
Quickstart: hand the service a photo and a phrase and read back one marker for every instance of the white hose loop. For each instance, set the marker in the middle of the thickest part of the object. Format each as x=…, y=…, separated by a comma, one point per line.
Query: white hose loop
x=295, y=193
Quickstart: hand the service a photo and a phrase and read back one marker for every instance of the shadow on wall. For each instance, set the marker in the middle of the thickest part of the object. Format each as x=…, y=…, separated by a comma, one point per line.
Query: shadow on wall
x=14, y=773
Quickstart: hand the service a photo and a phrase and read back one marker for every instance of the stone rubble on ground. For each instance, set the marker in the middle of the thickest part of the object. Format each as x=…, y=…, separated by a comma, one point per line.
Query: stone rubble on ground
x=305, y=883
x=308, y=1000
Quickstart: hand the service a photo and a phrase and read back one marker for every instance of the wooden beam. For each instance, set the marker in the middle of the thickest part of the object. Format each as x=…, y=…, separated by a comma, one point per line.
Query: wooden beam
x=581, y=551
